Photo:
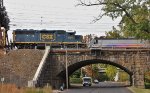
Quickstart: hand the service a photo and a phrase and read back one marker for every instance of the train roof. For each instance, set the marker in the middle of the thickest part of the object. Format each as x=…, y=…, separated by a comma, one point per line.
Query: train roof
x=38, y=30
x=71, y=32
x=115, y=38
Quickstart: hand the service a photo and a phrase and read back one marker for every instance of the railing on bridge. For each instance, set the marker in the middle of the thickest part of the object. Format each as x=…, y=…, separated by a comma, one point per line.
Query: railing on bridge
x=38, y=71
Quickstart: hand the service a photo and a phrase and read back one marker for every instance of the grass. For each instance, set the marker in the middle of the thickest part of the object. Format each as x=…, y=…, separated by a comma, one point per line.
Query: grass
x=9, y=88
x=137, y=90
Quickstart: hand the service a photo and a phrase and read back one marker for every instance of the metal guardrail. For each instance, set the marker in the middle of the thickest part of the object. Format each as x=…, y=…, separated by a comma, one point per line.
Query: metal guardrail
x=70, y=50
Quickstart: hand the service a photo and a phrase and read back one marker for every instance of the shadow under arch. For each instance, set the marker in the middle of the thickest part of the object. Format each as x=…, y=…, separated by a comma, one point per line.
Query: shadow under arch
x=72, y=68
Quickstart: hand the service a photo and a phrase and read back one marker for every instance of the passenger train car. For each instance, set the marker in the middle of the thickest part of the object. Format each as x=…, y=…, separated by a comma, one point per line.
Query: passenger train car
x=118, y=43
x=39, y=38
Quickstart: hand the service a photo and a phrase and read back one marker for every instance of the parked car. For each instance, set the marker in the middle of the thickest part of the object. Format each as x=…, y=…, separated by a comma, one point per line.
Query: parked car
x=96, y=81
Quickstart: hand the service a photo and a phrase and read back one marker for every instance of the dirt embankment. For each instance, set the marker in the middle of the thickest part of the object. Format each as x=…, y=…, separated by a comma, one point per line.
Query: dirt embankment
x=19, y=66
x=2, y=53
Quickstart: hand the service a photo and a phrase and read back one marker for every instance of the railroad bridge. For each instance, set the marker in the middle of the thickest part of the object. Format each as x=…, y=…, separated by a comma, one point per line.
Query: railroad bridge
x=53, y=70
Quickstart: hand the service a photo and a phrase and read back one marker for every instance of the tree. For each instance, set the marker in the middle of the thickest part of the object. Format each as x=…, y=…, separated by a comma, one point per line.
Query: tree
x=95, y=71
x=111, y=72
x=135, y=15
x=4, y=19
x=113, y=34
x=123, y=76
x=76, y=74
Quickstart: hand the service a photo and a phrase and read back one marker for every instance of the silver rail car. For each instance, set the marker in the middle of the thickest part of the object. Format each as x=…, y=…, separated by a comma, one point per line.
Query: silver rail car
x=118, y=43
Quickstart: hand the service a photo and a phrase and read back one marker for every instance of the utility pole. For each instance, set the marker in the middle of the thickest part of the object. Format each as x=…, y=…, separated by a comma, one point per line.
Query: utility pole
x=66, y=68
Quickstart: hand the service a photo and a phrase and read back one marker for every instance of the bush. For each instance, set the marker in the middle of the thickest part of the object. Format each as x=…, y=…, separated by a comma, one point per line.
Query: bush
x=147, y=85
x=76, y=80
x=147, y=79
x=33, y=90
x=123, y=76
x=38, y=90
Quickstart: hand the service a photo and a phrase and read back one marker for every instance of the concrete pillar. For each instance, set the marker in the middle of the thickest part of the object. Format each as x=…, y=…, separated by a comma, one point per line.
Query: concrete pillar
x=138, y=72
x=138, y=80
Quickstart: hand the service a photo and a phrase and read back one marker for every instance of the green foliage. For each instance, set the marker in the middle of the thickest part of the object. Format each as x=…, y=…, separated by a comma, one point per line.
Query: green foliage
x=75, y=80
x=111, y=72
x=102, y=65
x=38, y=90
x=134, y=14
x=47, y=89
x=76, y=74
x=95, y=71
x=113, y=34
x=123, y=76
x=103, y=77
x=147, y=79
x=147, y=85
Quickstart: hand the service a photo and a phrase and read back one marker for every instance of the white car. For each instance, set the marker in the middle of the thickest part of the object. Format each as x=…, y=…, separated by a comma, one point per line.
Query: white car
x=96, y=81
x=87, y=81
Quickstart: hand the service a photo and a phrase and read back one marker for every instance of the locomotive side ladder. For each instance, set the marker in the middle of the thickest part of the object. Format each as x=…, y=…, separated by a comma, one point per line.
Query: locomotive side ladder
x=39, y=69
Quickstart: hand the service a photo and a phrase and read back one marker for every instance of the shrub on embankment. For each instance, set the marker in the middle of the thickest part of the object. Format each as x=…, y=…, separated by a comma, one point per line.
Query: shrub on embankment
x=76, y=80
x=9, y=88
x=147, y=79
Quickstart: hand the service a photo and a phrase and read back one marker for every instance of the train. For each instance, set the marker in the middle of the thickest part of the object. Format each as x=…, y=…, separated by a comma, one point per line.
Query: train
x=118, y=43
x=24, y=38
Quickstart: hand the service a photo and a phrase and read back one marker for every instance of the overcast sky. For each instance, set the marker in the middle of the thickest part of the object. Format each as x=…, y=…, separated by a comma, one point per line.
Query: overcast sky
x=56, y=14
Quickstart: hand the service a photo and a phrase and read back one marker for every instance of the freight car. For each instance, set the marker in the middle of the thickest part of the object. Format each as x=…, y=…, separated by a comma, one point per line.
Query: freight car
x=23, y=38
x=118, y=43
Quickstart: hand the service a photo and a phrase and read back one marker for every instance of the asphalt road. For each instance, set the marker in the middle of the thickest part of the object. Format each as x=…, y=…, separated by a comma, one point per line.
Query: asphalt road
x=97, y=88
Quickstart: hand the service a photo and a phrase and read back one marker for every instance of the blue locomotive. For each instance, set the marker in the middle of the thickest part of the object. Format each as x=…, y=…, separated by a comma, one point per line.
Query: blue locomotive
x=23, y=38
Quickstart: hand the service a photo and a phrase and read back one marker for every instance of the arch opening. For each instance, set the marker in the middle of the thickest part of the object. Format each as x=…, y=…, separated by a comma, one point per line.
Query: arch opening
x=72, y=68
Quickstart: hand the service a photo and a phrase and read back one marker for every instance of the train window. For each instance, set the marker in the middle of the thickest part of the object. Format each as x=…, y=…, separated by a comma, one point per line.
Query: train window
x=61, y=32
x=70, y=34
x=96, y=41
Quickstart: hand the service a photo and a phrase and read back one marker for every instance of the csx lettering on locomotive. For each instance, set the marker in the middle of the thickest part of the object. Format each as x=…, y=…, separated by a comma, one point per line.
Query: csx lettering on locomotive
x=47, y=36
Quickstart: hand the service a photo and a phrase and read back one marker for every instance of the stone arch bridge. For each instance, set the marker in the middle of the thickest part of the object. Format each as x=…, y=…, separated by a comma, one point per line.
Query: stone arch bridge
x=133, y=61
